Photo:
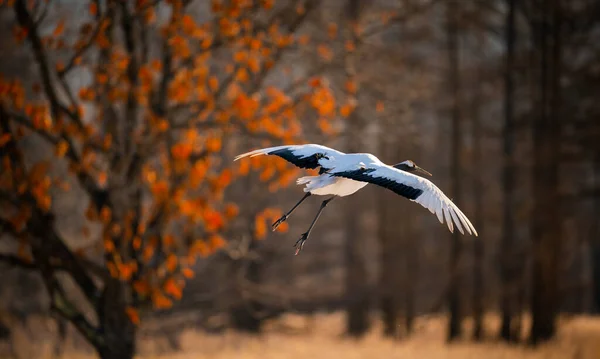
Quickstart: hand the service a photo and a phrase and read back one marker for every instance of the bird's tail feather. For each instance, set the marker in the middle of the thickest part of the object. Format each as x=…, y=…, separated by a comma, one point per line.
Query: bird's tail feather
x=305, y=179
x=314, y=183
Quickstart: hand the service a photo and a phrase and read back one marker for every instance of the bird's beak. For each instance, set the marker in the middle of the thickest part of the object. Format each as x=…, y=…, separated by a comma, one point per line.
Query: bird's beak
x=422, y=171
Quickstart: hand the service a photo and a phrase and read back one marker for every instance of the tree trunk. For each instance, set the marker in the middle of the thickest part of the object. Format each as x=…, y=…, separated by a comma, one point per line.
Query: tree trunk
x=595, y=253
x=388, y=269
x=478, y=244
x=508, y=260
x=595, y=239
x=455, y=320
x=357, y=310
x=546, y=219
x=245, y=316
x=117, y=330
x=357, y=320
x=411, y=271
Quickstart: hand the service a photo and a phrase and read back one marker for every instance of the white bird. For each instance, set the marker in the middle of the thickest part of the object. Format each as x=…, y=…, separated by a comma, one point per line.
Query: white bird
x=342, y=174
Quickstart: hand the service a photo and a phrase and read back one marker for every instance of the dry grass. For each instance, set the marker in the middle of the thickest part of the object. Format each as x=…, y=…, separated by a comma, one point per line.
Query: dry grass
x=578, y=338
x=320, y=337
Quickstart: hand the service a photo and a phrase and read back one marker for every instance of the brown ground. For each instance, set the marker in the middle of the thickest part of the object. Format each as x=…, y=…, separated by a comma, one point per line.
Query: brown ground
x=320, y=337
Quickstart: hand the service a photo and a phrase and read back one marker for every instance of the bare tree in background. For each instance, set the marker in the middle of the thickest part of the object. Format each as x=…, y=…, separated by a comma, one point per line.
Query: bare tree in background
x=508, y=275
x=357, y=320
x=389, y=248
x=546, y=22
x=454, y=323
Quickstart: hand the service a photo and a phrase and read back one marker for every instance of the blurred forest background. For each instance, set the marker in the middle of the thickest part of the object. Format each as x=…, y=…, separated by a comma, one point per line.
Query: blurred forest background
x=126, y=228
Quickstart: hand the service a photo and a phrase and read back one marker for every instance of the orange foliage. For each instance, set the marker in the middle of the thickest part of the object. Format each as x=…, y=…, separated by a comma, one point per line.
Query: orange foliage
x=160, y=301
x=181, y=151
x=325, y=52
x=171, y=263
x=350, y=86
x=133, y=315
x=172, y=288
x=231, y=210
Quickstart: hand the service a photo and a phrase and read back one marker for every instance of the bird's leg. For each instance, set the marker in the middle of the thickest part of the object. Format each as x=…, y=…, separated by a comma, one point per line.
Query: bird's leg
x=285, y=216
x=300, y=242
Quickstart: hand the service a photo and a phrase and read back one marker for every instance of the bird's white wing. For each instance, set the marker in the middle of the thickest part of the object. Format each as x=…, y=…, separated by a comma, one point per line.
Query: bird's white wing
x=303, y=156
x=415, y=188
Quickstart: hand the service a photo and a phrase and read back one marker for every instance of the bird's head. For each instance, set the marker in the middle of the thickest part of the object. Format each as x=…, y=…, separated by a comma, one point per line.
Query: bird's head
x=411, y=166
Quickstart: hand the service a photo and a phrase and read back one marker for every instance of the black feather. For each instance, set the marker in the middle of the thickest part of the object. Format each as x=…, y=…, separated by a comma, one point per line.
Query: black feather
x=363, y=175
x=302, y=162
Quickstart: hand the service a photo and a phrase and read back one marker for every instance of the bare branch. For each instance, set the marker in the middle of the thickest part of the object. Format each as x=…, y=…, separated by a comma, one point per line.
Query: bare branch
x=15, y=261
x=74, y=59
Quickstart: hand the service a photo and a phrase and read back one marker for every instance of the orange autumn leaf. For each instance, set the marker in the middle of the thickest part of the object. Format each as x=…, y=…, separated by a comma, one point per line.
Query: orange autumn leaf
x=93, y=9
x=102, y=178
x=173, y=289
x=168, y=240
x=59, y=29
x=283, y=227
x=332, y=30
x=4, y=139
x=349, y=46
x=188, y=273
x=101, y=78
x=323, y=101
x=181, y=151
x=314, y=82
x=86, y=94
x=213, y=83
x=112, y=269
x=61, y=148
x=105, y=214
x=160, y=189
x=231, y=210
x=147, y=253
x=160, y=301
x=141, y=287
x=346, y=110
x=244, y=168
x=133, y=315
x=260, y=228
x=213, y=144
x=379, y=107
x=109, y=245
x=199, y=247
x=240, y=56
x=137, y=243
x=171, y=263
x=213, y=220
x=325, y=52
x=216, y=242
x=126, y=270
x=225, y=178
x=350, y=86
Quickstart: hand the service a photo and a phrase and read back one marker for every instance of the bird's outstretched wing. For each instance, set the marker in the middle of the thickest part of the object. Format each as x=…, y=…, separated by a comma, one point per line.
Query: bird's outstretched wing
x=415, y=188
x=303, y=156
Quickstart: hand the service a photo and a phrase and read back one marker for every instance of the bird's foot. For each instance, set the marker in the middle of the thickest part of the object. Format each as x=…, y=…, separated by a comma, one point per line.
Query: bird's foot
x=300, y=242
x=278, y=222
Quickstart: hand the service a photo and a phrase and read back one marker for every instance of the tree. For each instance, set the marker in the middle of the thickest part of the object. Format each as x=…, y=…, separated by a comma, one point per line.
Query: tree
x=452, y=38
x=142, y=139
x=357, y=311
x=546, y=224
x=508, y=274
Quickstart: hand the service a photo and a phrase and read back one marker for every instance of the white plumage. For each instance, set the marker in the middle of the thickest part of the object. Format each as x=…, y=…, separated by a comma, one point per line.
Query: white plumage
x=342, y=174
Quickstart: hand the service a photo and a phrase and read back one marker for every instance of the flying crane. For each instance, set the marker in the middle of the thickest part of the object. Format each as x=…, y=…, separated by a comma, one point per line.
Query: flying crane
x=342, y=174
